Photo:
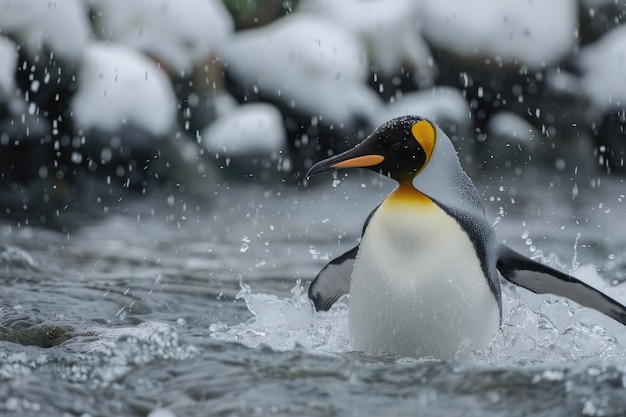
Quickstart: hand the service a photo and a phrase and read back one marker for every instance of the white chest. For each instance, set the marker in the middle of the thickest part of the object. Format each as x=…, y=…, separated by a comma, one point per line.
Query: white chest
x=417, y=287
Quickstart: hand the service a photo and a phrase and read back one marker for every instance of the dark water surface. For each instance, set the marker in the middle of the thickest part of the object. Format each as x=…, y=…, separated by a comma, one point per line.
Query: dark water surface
x=174, y=307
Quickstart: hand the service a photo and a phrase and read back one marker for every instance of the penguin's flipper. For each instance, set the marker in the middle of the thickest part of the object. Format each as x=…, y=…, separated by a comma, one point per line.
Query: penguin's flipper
x=333, y=280
x=542, y=279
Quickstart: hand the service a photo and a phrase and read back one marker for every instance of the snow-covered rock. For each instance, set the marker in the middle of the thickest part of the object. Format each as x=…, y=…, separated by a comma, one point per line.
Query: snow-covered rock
x=255, y=128
x=8, y=63
x=516, y=130
x=603, y=65
x=180, y=33
x=306, y=62
x=118, y=85
x=388, y=28
x=62, y=26
x=530, y=33
x=512, y=143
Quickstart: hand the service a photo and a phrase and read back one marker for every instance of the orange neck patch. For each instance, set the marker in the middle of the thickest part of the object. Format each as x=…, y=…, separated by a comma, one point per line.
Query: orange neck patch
x=407, y=194
x=424, y=133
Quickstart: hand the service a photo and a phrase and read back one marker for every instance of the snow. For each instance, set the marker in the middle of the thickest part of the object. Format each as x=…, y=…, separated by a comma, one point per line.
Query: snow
x=436, y=104
x=531, y=33
x=8, y=63
x=118, y=85
x=181, y=33
x=388, y=28
x=308, y=63
x=62, y=26
x=250, y=128
x=604, y=71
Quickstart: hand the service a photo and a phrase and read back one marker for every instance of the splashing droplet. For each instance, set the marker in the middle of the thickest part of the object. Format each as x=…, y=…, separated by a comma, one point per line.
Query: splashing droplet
x=244, y=244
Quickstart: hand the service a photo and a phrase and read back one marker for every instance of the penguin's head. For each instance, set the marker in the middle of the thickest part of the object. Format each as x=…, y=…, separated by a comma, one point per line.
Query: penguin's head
x=398, y=149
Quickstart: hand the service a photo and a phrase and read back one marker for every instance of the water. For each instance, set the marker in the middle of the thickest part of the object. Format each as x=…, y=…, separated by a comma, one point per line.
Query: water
x=170, y=306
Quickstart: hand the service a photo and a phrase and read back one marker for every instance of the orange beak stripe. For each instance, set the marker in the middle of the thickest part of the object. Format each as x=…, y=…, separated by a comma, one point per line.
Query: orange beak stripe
x=360, y=161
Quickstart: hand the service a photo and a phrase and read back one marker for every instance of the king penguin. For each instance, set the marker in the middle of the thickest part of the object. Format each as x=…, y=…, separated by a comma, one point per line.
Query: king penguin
x=425, y=277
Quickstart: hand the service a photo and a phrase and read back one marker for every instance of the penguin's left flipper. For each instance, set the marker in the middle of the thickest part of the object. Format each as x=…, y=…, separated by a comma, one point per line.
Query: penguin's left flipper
x=333, y=281
x=542, y=279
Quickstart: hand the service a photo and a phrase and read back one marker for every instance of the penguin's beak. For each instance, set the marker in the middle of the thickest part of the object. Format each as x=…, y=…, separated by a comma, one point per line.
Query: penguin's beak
x=353, y=158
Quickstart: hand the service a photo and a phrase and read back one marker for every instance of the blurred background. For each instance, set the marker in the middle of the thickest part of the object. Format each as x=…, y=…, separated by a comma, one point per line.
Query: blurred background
x=157, y=234
x=104, y=98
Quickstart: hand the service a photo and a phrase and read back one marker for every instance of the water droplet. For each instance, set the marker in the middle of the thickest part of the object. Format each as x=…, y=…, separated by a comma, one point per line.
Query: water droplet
x=77, y=157
x=244, y=244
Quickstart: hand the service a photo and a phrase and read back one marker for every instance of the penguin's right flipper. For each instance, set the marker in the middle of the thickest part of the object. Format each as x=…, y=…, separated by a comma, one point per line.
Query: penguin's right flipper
x=333, y=281
x=541, y=279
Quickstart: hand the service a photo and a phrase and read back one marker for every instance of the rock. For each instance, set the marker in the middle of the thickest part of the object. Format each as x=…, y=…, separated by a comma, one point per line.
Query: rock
x=512, y=142
x=597, y=17
x=602, y=66
x=8, y=65
x=249, y=140
x=116, y=86
x=125, y=115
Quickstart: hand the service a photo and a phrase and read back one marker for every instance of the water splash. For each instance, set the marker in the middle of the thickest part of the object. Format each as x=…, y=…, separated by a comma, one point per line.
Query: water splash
x=537, y=330
x=284, y=324
x=17, y=257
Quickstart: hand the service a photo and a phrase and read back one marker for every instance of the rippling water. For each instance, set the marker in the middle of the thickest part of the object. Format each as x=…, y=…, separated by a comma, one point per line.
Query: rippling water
x=178, y=307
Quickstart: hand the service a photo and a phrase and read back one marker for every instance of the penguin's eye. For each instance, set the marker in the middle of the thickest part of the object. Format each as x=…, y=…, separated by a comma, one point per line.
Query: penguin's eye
x=395, y=146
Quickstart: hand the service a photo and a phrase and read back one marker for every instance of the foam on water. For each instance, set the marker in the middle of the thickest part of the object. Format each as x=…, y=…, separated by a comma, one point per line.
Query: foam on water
x=119, y=350
x=537, y=330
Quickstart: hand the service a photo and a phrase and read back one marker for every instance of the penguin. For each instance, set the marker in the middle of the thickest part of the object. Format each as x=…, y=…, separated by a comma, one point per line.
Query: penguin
x=425, y=277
